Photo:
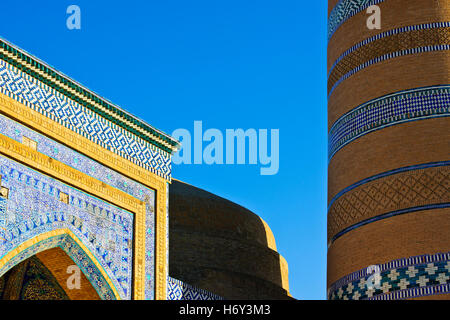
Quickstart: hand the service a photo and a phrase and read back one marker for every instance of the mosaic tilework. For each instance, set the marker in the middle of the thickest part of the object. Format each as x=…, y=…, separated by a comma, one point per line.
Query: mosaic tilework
x=75, y=91
x=400, y=279
x=2, y=213
x=92, y=168
x=76, y=117
x=34, y=208
x=423, y=186
x=77, y=255
x=178, y=290
x=388, y=33
x=344, y=10
x=31, y=280
x=400, y=107
x=388, y=45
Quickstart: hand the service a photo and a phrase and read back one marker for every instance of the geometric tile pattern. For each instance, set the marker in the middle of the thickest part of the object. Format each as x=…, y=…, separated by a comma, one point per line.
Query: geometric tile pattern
x=344, y=10
x=389, y=33
x=56, y=106
x=178, y=290
x=74, y=251
x=372, y=199
x=2, y=212
x=75, y=91
x=34, y=208
x=86, y=165
x=387, y=45
x=392, y=109
x=399, y=279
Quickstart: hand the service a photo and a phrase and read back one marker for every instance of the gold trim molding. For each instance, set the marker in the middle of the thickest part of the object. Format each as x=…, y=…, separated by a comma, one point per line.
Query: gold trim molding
x=58, y=170
x=47, y=235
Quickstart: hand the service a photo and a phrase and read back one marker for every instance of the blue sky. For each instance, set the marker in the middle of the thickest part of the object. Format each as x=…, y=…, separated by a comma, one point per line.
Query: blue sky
x=230, y=64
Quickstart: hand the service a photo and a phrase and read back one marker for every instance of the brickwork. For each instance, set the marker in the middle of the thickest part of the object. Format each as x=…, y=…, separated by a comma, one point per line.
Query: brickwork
x=388, y=77
x=394, y=147
x=380, y=211
x=394, y=14
x=222, y=247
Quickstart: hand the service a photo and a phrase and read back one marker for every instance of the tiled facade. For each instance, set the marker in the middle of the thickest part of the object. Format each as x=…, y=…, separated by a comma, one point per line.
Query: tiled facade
x=388, y=114
x=404, y=190
x=389, y=45
x=78, y=256
x=178, y=290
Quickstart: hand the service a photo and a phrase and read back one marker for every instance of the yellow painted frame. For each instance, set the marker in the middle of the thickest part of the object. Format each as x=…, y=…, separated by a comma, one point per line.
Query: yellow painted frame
x=47, y=235
x=58, y=170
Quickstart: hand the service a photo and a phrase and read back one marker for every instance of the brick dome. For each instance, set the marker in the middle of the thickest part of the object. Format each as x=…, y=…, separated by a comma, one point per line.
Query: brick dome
x=222, y=247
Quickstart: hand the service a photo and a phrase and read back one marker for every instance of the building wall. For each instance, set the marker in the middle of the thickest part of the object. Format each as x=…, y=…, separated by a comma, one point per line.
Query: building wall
x=221, y=247
x=52, y=126
x=389, y=152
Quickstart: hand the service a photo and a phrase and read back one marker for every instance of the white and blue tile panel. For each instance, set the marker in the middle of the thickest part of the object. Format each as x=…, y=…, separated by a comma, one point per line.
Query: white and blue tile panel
x=400, y=279
x=424, y=26
x=400, y=107
x=56, y=106
x=34, y=207
x=93, y=169
x=344, y=10
x=178, y=290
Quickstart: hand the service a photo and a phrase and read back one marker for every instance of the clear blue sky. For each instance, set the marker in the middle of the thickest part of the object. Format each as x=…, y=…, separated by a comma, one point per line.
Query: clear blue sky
x=231, y=64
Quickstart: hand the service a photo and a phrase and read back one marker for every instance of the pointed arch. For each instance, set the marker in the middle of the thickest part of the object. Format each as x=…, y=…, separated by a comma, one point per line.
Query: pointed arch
x=74, y=248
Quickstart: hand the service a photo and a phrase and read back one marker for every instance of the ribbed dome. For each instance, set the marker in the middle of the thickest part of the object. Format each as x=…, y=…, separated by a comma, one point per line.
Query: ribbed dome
x=222, y=247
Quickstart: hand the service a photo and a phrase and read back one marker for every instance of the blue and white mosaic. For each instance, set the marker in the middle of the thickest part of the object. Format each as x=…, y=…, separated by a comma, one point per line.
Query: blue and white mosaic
x=34, y=207
x=399, y=279
x=92, y=168
x=400, y=107
x=388, y=56
x=178, y=290
x=388, y=34
x=344, y=10
x=47, y=101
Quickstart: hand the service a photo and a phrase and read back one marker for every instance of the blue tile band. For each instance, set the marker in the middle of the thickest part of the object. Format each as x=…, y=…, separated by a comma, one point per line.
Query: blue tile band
x=344, y=10
x=425, y=26
x=399, y=279
x=178, y=290
x=389, y=110
x=54, y=105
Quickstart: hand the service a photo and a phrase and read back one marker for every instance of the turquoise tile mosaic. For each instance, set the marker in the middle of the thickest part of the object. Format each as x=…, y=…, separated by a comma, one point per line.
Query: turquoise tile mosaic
x=178, y=290
x=399, y=279
x=34, y=208
x=93, y=169
x=344, y=10
x=45, y=100
x=74, y=251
